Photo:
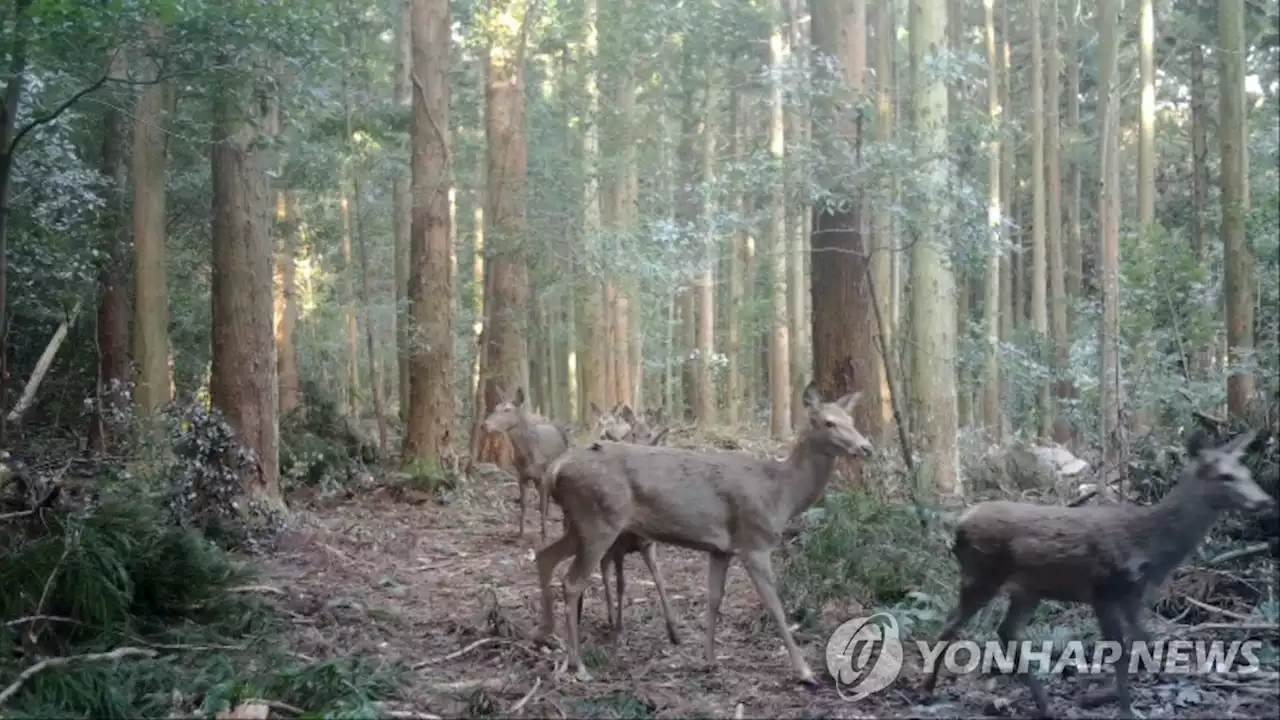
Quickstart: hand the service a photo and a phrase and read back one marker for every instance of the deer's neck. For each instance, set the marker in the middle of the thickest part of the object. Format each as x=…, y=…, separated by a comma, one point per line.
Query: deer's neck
x=1171, y=529
x=522, y=440
x=808, y=472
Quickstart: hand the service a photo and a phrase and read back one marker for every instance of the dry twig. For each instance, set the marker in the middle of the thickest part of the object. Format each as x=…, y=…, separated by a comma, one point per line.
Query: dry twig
x=256, y=589
x=1217, y=610
x=1250, y=551
x=515, y=709
x=32, y=671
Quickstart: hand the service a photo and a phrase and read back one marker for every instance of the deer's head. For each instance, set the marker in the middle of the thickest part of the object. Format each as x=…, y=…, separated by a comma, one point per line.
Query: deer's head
x=618, y=425
x=507, y=414
x=830, y=425
x=1225, y=482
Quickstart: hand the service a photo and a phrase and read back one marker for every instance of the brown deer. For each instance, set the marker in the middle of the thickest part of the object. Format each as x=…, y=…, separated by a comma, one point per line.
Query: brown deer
x=627, y=542
x=621, y=424
x=722, y=503
x=536, y=443
x=1105, y=555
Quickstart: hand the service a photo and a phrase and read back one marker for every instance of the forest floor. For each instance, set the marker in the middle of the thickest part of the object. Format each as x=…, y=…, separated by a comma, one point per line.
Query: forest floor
x=446, y=591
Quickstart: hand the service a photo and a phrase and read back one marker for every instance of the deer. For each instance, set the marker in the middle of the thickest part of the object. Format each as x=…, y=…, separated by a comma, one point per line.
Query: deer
x=536, y=443
x=622, y=423
x=722, y=503
x=1106, y=555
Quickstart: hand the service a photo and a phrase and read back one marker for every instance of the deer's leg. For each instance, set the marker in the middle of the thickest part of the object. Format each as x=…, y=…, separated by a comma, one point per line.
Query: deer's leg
x=973, y=597
x=760, y=569
x=542, y=508
x=1111, y=621
x=717, y=568
x=547, y=559
x=608, y=594
x=1021, y=607
x=650, y=555
x=593, y=543
x=618, y=558
x=524, y=501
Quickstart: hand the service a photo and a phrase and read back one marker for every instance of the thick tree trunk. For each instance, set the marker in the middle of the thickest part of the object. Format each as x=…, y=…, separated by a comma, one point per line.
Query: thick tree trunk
x=243, y=383
x=107, y=426
x=932, y=282
x=151, y=303
x=846, y=354
x=1109, y=225
x=1237, y=254
x=431, y=361
x=402, y=213
x=593, y=349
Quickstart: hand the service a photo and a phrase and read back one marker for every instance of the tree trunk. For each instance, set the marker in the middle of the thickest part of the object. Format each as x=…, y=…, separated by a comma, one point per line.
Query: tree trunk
x=286, y=302
x=932, y=282
x=1074, y=241
x=402, y=213
x=991, y=280
x=1039, y=266
x=505, y=341
x=1199, y=180
x=846, y=356
x=1147, y=119
x=884, y=244
x=779, y=350
x=797, y=317
x=1237, y=254
x=151, y=303
x=1009, y=305
x=243, y=383
x=705, y=405
x=431, y=360
x=593, y=350
x=1053, y=235
x=375, y=380
x=1109, y=226
x=107, y=426
x=733, y=321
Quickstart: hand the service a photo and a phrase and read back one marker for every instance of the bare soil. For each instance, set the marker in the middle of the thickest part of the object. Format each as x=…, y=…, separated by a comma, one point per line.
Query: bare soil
x=447, y=591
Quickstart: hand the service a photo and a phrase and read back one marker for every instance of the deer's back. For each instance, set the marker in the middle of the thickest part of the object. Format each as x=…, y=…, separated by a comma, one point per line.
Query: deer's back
x=1055, y=552
x=704, y=501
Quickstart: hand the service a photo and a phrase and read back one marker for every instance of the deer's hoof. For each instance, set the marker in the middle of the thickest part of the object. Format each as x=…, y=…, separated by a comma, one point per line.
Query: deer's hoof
x=582, y=675
x=673, y=637
x=808, y=678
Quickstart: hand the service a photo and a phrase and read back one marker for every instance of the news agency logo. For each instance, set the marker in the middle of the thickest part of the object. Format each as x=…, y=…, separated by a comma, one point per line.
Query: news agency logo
x=864, y=655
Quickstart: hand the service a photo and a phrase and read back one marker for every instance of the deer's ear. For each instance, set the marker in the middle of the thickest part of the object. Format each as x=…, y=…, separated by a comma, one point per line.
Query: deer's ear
x=812, y=398
x=849, y=402
x=519, y=396
x=625, y=412
x=595, y=409
x=659, y=437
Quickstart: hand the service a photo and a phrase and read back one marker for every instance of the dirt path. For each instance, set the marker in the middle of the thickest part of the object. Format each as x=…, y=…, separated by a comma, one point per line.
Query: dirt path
x=394, y=582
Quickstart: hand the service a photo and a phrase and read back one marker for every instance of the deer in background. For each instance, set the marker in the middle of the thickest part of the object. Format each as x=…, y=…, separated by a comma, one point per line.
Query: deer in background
x=536, y=443
x=621, y=424
x=1105, y=555
x=722, y=503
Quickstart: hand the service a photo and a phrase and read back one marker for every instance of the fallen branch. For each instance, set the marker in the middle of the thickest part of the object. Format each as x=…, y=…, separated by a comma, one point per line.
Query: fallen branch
x=1083, y=498
x=42, y=366
x=1244, y=552
x=256, y=589
x=1243, y=627
x=458, y=653
x=117, y=654
x=515, y=709
x=1217, y=610
x=275, y=705
x=36, y=618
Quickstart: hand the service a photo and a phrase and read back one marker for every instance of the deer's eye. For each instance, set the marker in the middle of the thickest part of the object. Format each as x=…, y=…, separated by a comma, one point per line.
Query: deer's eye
x=831, y=423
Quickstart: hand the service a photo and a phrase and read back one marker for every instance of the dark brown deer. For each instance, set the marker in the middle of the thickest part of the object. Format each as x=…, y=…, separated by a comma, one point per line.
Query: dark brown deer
x=1105, y=555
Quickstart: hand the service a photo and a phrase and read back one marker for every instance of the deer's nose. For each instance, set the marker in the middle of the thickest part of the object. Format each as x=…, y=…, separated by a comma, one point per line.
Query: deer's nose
x=864, y=449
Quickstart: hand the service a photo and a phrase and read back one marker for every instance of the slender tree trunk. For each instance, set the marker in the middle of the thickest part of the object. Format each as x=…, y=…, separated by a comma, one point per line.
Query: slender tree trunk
x=107, y=427
x=797, y=317
x=779, y=349
x=593, y=351
x=1109, y=224
x=402, y=213
x=1039, y=266
x=1199, y=181
x=431, y=360
x=1074, y=241
x=375, y=379
x=286, y=301
x=884, y=251
x=733, y=321
x=1053, y=235
x=991, y=280
x=705, y=405
x=932, y=282
x=1237, y=254
x=1009, y=305
x=1147, y=118
x=151, y=303
x=243, y=383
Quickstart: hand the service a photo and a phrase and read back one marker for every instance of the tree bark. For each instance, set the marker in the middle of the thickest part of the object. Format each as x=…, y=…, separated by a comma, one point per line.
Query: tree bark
x=151, y=294
x=108, y=426
x=286, y=302
x=1199, y=179
x=243, y=383
x=932, y=282
x=1039, y=277
x=991, y=280
x=402, y=211
x=1074, y=241
x=779, y=349
x=593, y=350
x=1109, y=226
x=884, y=243
x=431, y=361
x=738, y=242
x=1237, y=254
x=705, y=405
x=1053, y=235
x=1147, y=118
